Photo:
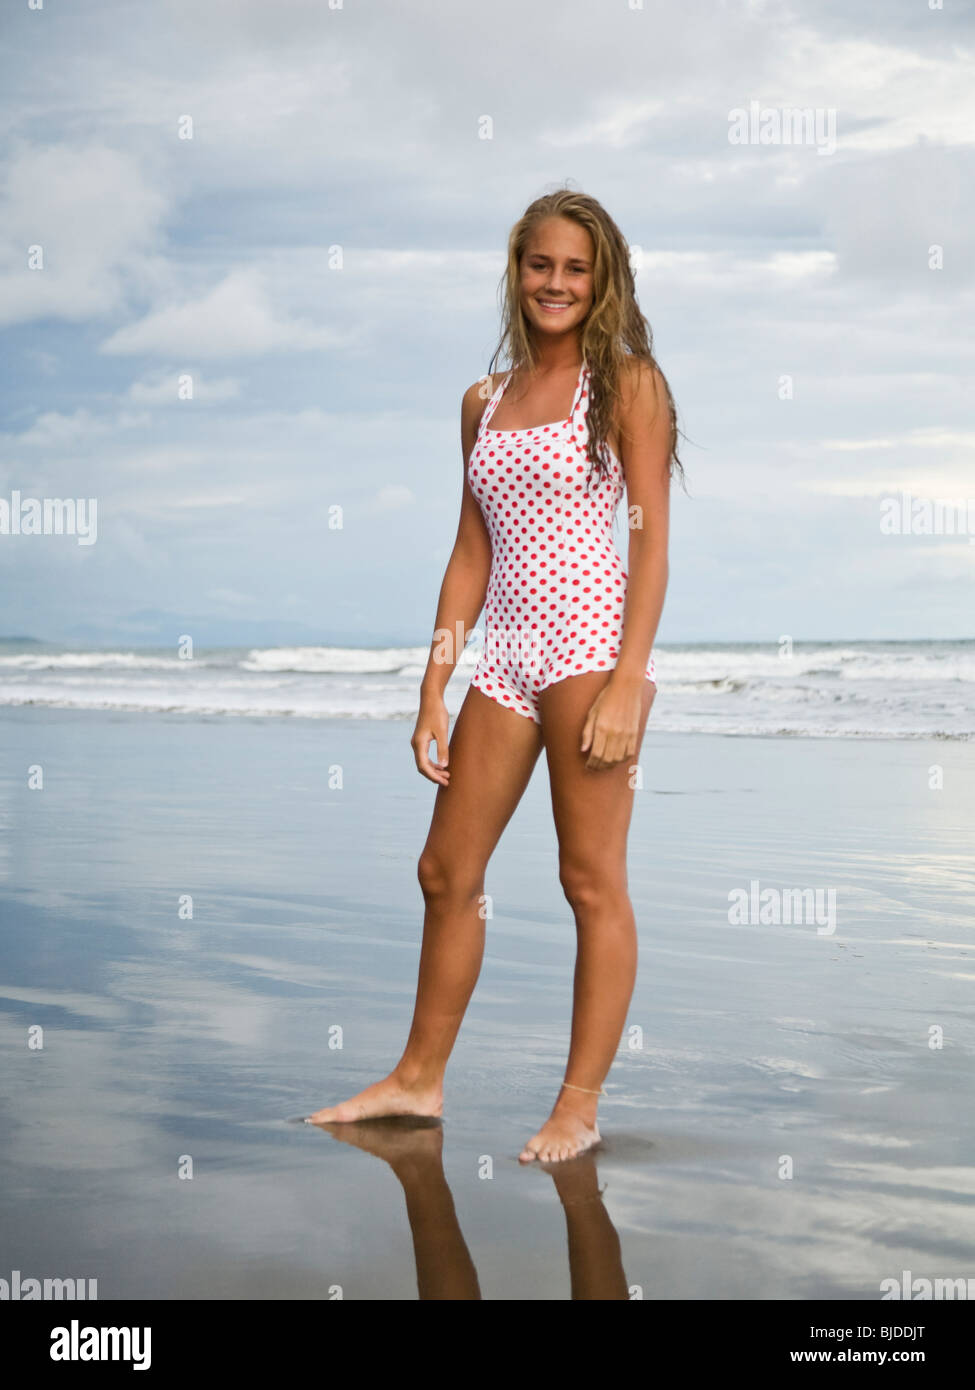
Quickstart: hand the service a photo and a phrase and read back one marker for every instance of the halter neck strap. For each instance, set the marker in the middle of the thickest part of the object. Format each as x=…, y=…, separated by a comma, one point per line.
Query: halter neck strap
x=580, y=387
x=492, y=404
x=495, y=400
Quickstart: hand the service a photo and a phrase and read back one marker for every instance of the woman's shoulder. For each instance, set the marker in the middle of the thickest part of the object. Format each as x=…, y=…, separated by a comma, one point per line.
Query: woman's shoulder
x=490, y=381
x=639, y=380
x=637, y=371
x=479, y=393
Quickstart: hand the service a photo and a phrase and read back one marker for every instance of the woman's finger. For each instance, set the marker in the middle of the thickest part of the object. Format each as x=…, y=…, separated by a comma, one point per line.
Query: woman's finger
x=435, y=772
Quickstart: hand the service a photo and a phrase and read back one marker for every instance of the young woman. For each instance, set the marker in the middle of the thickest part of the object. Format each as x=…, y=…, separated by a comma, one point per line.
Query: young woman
x=567, y=664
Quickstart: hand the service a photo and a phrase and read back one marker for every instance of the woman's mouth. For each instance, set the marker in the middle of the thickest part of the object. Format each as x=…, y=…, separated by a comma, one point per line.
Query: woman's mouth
x=552, y=306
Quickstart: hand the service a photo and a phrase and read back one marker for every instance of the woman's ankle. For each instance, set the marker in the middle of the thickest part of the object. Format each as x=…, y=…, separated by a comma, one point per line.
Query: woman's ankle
x=418, y=1076
x=582, y=1105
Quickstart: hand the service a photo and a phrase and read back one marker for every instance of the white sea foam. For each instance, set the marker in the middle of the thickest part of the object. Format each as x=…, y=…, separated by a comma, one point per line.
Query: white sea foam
x=356, y=660
x=849, y=690
x=86, y=661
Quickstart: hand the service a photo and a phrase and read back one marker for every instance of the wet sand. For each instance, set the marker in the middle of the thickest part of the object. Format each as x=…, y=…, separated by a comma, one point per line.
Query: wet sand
x=752, y=1050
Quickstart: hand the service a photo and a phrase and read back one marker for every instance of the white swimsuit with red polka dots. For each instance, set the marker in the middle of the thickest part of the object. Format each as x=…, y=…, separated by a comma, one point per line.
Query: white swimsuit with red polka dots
x=554, y=602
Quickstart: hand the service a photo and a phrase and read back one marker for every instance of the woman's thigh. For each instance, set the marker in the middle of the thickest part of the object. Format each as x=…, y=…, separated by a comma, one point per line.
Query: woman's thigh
x=592, y=807
x=492, y=753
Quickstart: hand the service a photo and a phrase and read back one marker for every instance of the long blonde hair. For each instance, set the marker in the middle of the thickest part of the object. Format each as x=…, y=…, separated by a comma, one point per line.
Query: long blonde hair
x=613, y=329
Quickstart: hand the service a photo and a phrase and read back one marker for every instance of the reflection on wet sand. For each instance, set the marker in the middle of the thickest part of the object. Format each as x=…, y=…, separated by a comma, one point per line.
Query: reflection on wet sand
x=413, y=1148
x=755, y=1041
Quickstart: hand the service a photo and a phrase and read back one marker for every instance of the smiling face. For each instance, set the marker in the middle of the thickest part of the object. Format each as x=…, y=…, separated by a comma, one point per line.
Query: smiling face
x=557, y=276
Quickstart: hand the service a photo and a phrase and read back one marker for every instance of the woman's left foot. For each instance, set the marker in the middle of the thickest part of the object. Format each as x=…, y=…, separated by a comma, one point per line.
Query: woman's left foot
x=563, y=1135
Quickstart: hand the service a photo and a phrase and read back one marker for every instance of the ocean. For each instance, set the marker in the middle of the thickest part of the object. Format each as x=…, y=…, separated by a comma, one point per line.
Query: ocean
x=819, y=689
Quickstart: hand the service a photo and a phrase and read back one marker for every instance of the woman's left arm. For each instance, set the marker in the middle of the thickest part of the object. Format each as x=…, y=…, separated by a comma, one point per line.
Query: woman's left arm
x=612, y=726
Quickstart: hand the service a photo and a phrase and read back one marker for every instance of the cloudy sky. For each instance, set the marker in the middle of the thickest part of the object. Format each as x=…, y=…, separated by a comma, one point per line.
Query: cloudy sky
x=321, y=258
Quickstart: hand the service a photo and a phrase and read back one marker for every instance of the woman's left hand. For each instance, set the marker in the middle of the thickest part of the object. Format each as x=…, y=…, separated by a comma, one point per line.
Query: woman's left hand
x=612, y=728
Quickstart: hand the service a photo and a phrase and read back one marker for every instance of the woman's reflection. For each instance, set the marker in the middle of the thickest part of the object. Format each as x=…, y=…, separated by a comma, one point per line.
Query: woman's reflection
x=413, y=1148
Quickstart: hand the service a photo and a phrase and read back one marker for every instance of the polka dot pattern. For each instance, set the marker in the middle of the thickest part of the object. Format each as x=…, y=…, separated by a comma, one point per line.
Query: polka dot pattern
x=554, y=602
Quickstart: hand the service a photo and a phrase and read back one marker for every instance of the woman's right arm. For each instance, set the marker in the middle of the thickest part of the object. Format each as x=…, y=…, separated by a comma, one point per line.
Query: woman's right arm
x=462, y=595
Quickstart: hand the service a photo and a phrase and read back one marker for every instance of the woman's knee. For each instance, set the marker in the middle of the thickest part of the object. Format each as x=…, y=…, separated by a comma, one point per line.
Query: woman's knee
x=590, y=884
x=447, y=877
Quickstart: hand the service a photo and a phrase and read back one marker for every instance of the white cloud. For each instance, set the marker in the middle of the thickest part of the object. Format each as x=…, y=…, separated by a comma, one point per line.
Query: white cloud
x=95, y=213
x=53, y=430
x=232, y=597
x=730, y=270
x=162, y=388
x=929, y=438
x=234, y=319
x=394, y=496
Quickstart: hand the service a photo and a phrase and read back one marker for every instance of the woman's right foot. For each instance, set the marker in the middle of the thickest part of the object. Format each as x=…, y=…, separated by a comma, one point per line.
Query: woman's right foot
x=392, y=1096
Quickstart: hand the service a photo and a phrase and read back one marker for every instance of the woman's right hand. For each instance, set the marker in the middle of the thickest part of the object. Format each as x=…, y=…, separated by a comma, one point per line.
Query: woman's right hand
x=431, y=726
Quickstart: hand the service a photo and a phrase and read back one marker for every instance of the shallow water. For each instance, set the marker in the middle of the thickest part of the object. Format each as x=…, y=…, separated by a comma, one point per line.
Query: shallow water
x=167, y=1038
